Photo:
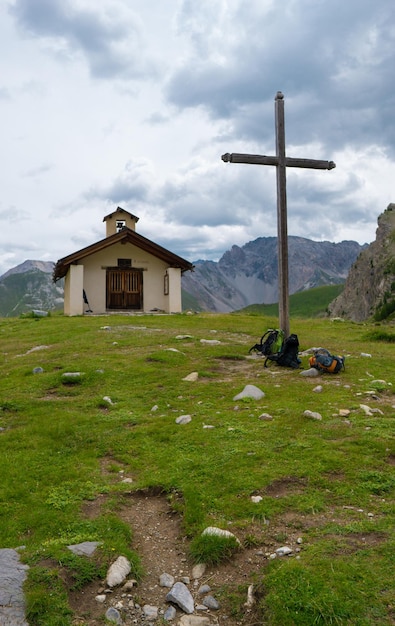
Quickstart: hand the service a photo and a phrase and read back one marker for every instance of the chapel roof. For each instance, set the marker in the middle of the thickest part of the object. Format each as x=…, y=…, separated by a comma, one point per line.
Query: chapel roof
x=126, y=235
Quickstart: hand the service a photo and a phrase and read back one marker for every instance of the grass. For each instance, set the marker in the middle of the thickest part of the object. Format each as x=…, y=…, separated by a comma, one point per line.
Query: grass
x=304, y=304
x=63, y=446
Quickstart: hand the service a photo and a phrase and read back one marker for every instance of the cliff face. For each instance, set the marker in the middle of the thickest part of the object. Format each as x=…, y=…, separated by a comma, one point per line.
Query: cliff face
x=370, y=286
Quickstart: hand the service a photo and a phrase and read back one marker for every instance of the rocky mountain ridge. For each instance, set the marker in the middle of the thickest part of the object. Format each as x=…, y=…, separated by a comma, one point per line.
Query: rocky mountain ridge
x=249, y=274
x=370, y=286
x=29, y=286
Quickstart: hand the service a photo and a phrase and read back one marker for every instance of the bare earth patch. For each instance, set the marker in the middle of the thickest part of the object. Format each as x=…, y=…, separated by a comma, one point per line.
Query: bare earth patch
x=159, y=540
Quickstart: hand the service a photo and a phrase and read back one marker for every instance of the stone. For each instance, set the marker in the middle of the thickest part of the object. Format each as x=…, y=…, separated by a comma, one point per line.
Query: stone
x=183, y=419
x=101, y=597
x=114, y=616
x=265, y=417
x=169, y=614
x=250, y=391
x=108, y=400
x=12, y=578
x=211, y=603
x=118, y=571
x=166, y=580
x=250, y=597
x=150, y=612
x=256, y=499
x=313, y=415
x=192, y=377
x=86, y=548
x=212, y=342
x=213, y=530
x=284, y=551
x=129, y=584
x=182, y=597
x=204, y=589
x=318, y=389
x=198, y=570
x=194, y=620
x=310, y=373
x=38, y=370
x=71, y=376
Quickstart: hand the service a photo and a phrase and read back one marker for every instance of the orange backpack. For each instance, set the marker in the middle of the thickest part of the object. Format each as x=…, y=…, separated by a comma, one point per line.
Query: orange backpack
x=324, y=361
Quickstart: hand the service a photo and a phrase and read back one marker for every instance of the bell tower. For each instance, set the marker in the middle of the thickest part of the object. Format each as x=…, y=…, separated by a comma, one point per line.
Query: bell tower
x=119, y=220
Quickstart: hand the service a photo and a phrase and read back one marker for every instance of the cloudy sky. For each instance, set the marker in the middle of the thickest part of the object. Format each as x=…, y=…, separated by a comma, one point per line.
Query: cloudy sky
x=131, y=103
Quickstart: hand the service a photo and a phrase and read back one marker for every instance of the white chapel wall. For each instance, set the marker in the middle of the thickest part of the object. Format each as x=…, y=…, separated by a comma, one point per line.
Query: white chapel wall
x=153, y=278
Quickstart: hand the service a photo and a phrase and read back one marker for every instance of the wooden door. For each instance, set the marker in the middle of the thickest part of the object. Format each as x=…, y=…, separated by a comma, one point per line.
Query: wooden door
x=124, y=289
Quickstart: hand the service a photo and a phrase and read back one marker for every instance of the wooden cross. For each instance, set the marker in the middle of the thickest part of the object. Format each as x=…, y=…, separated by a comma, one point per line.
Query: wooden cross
x=281, y=162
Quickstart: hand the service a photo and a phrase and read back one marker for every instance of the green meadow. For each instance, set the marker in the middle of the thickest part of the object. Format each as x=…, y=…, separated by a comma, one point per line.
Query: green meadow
x=58, y=434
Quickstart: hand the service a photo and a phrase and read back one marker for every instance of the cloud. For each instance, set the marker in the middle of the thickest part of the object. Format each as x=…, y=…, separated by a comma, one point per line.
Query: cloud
x=333, y=63
x=108, y=35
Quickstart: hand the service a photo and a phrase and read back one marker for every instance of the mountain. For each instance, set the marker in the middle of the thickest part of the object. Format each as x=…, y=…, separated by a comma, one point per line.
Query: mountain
x=370, y=286
x=243, y=276
x=28, y=287
x=248, y=274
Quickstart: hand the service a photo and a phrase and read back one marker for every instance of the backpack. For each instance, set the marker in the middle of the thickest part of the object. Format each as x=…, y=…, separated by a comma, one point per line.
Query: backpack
x=324, y=361
x=271, y=342
x=288, y=355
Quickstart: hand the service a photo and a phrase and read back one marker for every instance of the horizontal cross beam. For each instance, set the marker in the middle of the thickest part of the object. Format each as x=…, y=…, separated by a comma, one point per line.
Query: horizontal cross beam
x=257, y=159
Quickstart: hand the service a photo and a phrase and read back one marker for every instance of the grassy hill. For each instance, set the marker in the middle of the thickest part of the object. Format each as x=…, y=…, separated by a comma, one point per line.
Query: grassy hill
x=326, y=486
x=305, y=304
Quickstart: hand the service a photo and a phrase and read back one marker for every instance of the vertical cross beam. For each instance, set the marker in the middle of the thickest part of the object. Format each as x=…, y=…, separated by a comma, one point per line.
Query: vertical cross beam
x=282, y=227
x=281, y=161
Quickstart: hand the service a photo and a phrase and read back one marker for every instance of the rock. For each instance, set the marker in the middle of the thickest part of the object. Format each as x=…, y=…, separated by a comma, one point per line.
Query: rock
x=183, y=419
x=310, y=373
x=194, y=620
x=344, y=412
x=166, y=580
x=154, y=408
x=284, y=551
x=38, y=370
x=170, y=614
x=118, y=571
x=366, y=354
x=108, y=400
x=211, y=603
x=250, y=597
x=198, y=570
x=150, y=612
x=265, y=417
x=250, y=391
x=86, y=548
x=368, y=411
x=12, y=578
x=192, y=377
x=101, y=597
x=180, y=595
x=318, y=389
x=129, y=584
x=204, y=589
x=114, y=616
x=256, y=499
x=184, y=337
x=212, y=342
x=313, y=415
x=71, y=376
x=213, y=530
